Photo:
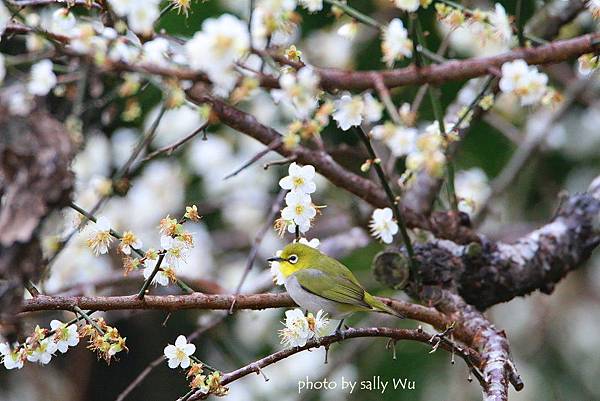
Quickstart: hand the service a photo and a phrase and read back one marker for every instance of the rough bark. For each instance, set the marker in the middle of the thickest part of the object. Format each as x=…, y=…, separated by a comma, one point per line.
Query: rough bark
x=35, y=153
x=492, y=272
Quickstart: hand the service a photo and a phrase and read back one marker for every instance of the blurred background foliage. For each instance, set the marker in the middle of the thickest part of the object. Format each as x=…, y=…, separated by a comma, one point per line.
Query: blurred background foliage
x=554, y=338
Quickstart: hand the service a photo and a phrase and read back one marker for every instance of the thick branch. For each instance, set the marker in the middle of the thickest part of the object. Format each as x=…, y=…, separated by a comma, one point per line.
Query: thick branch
x=491, y=343
x=213, y=302
x=495, y=272
x=554, y=52
x=335, y=79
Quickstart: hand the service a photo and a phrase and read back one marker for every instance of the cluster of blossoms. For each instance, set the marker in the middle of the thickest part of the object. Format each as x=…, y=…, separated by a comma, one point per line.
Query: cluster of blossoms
x=300, y=328
x=215, y=49
x=42, y=345
x=181, y=355
x=175, y=245
x=429, y=152
x=300, y=91
x=140, y=14
x=524, y=81
x=587, y=63
x=487, y=26
x=399, y=138
x=105, y=340
x=299, y=210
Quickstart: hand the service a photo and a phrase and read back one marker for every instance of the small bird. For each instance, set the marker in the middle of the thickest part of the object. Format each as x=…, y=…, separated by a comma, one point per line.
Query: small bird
x=317, y=282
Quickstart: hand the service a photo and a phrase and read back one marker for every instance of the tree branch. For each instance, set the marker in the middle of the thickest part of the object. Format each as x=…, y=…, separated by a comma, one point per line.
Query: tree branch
x=201, y=301
x=495, y=272
x=470, y=356
x=441, y=224
x=496, y=366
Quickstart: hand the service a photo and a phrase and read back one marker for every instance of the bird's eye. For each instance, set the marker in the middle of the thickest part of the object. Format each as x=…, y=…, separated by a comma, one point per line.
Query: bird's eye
x=293, y=259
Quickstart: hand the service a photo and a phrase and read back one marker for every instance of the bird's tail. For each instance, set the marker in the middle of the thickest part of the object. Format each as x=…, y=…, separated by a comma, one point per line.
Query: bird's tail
x=380, y=306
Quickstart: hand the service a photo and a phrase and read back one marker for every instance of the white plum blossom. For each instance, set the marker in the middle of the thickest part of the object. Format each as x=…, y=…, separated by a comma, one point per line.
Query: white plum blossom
x=299, y=91
x=500, y=24
x=382, y=225
x=121, y=7
x=312, y=5
x=64, y=336
x=299, y=328
x=129, y=241
x=593, y=7
x=313, y=243
x=587, y=63
x=161, y=277
x=4, y=17
x=123, y=50
x=395, y=43
x=318, y=324
x=299, y=210
x=408, y=5
x=271, y=21
x=299, y=179
x=472, y=189
x=12, y=358
x=214, y=50
x=373, y=108
x=142, y=15
x=156, y=51
x=43, y=352
x=179, y=354
x=100, y=238
x=20, y=102
x=42, y=78
x=63, y=21
x=327, y=48
x=401, y=140
x=524, y=81
x=296, y=331
x=177, y=251
x=348, y=111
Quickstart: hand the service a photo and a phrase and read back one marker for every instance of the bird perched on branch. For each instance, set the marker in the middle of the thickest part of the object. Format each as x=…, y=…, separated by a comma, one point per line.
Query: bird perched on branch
x=316, y=281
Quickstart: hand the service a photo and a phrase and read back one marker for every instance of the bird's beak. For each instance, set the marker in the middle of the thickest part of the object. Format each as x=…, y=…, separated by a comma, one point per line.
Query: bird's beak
x=276, y=259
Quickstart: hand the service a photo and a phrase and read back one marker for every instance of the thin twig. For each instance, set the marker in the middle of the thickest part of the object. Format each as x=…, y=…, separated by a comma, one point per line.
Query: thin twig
x=148, y=281
x=273, y=145
x=141, y=146
x=256, y=243
x=169, y=149
x=391, y=198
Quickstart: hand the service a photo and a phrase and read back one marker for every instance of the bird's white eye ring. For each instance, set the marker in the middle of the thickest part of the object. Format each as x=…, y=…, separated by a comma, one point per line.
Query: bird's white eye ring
x=293, y=259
